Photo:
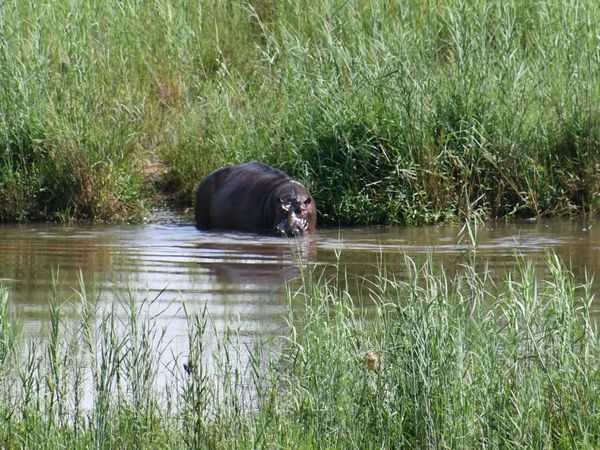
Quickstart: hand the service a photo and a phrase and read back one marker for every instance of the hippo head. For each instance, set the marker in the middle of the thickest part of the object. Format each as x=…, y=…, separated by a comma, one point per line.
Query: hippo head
x=292, y=216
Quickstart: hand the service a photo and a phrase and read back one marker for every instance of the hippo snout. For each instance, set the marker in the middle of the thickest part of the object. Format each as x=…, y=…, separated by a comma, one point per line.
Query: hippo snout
x=292, y=226
x=299, y=229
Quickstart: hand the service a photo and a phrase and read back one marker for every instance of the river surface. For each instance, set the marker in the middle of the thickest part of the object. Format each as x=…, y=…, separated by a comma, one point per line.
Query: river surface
x=242, y=277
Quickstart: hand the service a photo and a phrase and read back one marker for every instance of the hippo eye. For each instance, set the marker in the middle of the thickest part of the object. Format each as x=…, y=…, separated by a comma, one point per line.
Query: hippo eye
x=307, y=201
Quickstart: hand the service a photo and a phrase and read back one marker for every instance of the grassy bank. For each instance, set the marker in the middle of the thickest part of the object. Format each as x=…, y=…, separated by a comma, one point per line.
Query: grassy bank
x=391, y=112
x=460, y=362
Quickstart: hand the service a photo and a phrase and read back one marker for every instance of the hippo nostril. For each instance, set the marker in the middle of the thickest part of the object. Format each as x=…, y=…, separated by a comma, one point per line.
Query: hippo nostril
x=297, y=231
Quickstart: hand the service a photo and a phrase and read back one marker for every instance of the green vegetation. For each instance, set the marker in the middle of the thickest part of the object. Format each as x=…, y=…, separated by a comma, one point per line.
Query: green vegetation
x=391, y=112
x=459, y=362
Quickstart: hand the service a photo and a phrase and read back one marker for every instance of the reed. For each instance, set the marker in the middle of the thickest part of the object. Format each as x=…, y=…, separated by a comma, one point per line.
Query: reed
x=389, y=113
x=431, y=360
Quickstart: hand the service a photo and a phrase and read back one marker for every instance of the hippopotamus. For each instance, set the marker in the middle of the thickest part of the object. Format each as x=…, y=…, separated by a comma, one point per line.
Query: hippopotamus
x=254, y=197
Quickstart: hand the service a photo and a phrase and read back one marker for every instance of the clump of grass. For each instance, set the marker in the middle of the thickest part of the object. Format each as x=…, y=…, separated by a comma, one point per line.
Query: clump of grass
x=428, y=360
x=462, y=362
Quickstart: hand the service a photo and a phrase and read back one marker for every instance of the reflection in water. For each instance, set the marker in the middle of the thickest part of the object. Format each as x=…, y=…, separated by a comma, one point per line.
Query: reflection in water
x=262, y=262
x=242, y=276
x=235, y=273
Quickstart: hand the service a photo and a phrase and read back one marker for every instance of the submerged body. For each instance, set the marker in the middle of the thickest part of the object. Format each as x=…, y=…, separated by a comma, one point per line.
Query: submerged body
x=256, y=198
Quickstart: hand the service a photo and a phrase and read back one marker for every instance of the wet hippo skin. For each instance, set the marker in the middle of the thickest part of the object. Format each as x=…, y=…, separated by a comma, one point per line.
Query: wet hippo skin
x=257, y=198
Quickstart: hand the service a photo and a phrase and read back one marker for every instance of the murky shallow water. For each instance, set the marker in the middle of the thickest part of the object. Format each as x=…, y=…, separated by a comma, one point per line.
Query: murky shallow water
x=242, y=277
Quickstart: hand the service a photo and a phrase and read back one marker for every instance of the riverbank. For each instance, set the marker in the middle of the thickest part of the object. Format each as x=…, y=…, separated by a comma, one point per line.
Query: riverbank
x=389, y=113
x=459, y=361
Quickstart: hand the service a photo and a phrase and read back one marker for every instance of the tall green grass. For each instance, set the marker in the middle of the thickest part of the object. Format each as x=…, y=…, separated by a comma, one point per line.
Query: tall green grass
x=391, y=112
x=462, y=361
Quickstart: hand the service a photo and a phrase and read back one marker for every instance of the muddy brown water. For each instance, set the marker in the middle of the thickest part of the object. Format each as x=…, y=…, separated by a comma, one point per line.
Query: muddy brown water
x=242, y=277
